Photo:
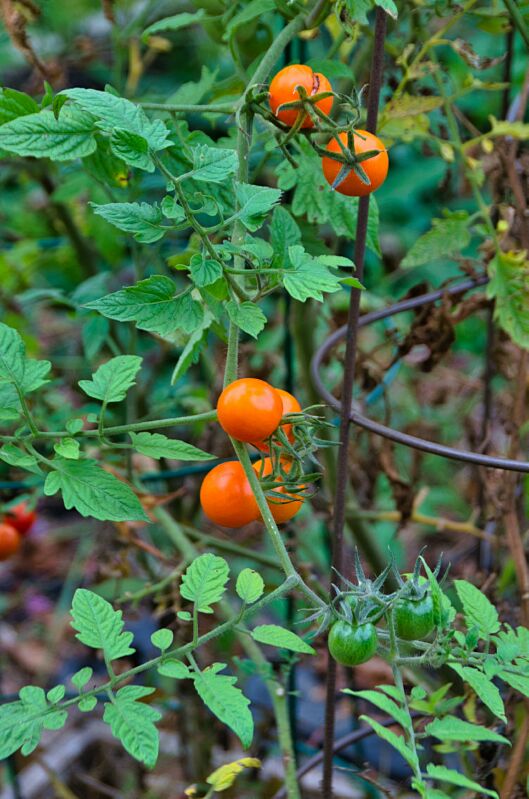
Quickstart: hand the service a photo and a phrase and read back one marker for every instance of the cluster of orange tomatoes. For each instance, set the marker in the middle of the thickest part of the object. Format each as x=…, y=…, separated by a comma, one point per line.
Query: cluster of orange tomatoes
x=284, y=89
x=250, y=410
x=17, y=521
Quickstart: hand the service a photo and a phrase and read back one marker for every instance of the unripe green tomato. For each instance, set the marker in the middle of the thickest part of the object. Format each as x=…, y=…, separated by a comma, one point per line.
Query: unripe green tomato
x=414, y=618
x=352, y=644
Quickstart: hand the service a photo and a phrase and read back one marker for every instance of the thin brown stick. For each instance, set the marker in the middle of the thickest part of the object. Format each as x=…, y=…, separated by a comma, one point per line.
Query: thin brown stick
x=517, y=759
x=511, y=521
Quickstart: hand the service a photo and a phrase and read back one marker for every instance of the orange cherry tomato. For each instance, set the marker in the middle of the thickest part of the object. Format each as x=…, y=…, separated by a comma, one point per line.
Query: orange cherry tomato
x=21, y=517
x=9, y=541
x=376, y=167
x=290, y=405
x=226, y=496
x=282, y=510
x=283, y=89
x=249, y=409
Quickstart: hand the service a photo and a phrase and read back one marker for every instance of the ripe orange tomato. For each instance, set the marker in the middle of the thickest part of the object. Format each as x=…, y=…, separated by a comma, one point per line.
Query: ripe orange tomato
x=249, y=409
x=376, y=167
x=21, y=517
x=226, y=496
x=290, y=405
x=283, y=90
x=282, y=510
x=9, y=541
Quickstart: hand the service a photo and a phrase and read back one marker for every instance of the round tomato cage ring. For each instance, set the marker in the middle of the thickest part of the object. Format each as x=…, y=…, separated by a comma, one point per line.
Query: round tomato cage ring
x=464, y=456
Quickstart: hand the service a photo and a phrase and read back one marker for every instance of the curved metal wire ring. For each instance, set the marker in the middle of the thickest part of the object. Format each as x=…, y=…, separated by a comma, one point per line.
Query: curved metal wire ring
x=407, y=440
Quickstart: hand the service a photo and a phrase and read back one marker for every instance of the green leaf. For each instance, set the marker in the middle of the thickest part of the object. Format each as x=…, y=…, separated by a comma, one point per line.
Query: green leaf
x=18, y=375
x=509, y=287
x=173, y=23
x=213, y=164
x=117, y=112
x=254, y=203
x=113, y=379
x=250, y=586
x=226, y=701
x=22, y=722
x=396, y=741
x=87, y=703
x=246, y=315
x=99, y=626
x=94, y=334
x=308, y=276
x=484, y=689
x=12, y=355
x=67, y=448
x=92, y=491
x=132, y=722
x=477, y=609
x=385, y=704
x=153, y=305
x=43, y=136
x=162, y=639
x=520, y=682
x=204, y=581
x=34, y=375
x=15, y=456
x=191, y=352
x=171, y=209
x=204, y=271
x=451, y=728
x=448, y=236
x=156, y=445
x=444, y=774
x=74, y=426
x=175, y=669
x=82, y=677
x=15, y=104
x=140, y=219
x=284, y=233
x=194, y=91
x=273, y=635
x=55, y=694
x=252, y=10
x=131, y=148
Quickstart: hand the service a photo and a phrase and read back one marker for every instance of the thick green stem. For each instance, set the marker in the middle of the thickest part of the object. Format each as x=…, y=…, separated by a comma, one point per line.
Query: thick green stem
x=279, y=700
x=154, y=424
x=518, y=19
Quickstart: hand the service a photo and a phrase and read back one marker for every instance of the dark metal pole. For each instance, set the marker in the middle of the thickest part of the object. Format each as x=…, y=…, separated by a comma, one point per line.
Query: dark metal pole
x=347, y=395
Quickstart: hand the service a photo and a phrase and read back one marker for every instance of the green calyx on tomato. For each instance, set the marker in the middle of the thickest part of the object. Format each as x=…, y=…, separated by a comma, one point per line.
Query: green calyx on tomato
x=352, y=644
x=414, y=617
